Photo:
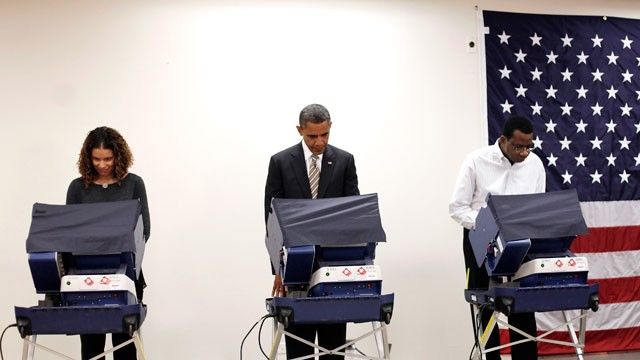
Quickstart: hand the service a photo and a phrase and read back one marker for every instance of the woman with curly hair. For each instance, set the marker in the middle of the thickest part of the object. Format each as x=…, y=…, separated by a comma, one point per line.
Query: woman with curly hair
x=104, y=162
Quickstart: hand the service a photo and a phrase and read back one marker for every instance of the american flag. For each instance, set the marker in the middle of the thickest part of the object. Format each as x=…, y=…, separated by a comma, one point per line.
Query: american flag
x=577, y=78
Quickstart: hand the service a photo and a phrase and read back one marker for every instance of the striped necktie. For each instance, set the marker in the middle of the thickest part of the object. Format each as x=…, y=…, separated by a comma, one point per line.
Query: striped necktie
x=314, y=176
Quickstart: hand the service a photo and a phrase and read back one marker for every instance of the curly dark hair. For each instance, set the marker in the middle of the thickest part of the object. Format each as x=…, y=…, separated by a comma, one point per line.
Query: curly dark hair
x=105, y=138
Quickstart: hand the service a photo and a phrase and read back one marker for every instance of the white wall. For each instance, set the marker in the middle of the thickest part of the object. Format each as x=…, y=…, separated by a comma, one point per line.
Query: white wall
x=205, y=92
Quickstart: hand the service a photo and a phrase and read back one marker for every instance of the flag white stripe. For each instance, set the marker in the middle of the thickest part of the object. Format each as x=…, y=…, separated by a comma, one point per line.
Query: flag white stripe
x=611, y=213
x=608, y=317
x=613, y=264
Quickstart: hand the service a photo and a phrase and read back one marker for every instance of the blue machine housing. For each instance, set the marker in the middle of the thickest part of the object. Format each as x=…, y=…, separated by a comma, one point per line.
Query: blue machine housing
x=298, y=268
x=332, y=310
x=514, y=229
x=83, y=239
x=46, y=271
x=98, y=298
x=319, y=233
x=554, y=279
x=302, y=261
x=360, y=288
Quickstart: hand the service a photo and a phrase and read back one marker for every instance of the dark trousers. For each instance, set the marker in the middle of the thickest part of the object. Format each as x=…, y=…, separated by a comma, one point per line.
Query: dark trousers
x=479, y=279
x=330, y=337
x=93, y=344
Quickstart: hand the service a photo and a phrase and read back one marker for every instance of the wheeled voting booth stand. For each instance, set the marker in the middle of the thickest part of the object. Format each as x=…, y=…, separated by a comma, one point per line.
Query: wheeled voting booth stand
x=523, y=242
x=84, y=258
x=324, y=251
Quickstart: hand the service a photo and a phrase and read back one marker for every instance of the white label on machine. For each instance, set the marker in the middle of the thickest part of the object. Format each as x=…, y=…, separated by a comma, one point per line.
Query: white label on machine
x=100, y=282
x=500, y=245
x=346, y=274
x=553, y=265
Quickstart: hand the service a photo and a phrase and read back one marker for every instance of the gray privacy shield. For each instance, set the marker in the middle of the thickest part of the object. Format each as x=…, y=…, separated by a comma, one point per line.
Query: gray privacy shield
x=88, y=229
x=538, y=216
x=339, y=221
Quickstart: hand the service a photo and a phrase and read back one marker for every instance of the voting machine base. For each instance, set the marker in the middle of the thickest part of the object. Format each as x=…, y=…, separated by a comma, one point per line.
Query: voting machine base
x=85, y=259
x=377, y=309
x=331, y=310
x=79, y=320
x=523, y=242
x=509, y=300
x=324, y=251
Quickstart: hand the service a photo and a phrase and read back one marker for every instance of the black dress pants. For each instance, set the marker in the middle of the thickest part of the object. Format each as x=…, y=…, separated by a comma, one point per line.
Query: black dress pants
x=330, y=337
x=479, y=279
x=93, y=344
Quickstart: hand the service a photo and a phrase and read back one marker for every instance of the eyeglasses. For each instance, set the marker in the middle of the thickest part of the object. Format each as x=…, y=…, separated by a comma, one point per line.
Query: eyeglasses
x=522, y=148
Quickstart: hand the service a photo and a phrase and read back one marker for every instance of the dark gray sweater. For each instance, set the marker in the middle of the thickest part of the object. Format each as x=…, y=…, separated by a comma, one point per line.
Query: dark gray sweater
x=131, y=187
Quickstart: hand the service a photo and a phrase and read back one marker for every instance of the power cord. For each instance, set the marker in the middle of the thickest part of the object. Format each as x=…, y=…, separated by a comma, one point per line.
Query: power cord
x=361, y=353
x=249, y=332
x=260, y=337
x=477, y=325
x=2, y=336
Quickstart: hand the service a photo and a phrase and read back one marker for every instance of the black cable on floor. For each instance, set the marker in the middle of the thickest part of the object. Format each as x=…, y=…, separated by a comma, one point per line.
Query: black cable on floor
x=2, y=336
x=259, y=336
x=361, y=353
x=249, y=332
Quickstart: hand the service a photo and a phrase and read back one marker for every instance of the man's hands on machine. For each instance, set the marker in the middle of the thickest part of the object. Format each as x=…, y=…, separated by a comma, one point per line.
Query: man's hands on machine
x=278, y=289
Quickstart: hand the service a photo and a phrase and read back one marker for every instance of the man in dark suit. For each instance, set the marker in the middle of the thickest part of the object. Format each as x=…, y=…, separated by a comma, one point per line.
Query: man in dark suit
x=309, y=170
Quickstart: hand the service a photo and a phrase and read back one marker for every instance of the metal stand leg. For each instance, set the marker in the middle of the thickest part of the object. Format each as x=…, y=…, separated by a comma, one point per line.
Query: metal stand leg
x=572, y=333
x=378, y=339
x=385, y=341
x=543, y=337
x=28, y=349
x=137, y=340
x=29, y=346
x=276, y=341
x=340, y=350
x=476, y=354
x=583, y=326
x=484, y=333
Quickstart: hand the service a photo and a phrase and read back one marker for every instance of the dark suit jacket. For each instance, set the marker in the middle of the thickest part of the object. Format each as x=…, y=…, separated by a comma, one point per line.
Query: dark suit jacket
x=288, y=177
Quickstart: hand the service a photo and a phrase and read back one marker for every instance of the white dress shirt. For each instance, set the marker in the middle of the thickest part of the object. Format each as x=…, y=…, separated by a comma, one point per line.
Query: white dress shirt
x=488, y=171
x=307, y=158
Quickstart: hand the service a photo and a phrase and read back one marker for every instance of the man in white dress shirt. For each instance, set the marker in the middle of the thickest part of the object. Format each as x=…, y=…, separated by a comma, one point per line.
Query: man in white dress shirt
x=504, y=168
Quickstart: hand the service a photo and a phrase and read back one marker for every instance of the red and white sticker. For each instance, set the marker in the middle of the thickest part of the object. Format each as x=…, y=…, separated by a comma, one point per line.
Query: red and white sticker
x=346, y=272
x=362, y=271
x=559, y=263
x=88, y=281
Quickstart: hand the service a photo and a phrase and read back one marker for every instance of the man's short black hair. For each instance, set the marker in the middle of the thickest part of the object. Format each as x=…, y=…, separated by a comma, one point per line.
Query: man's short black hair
x=314, y=113
x=514, y=123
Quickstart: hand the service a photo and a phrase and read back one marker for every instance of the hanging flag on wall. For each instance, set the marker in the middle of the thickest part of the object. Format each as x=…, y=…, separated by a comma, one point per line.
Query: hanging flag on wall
x=578, y=79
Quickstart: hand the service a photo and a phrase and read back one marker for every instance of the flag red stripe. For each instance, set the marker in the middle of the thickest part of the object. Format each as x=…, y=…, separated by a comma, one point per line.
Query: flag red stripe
x=618, y=290
x=596, y=341
x=606, y=239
